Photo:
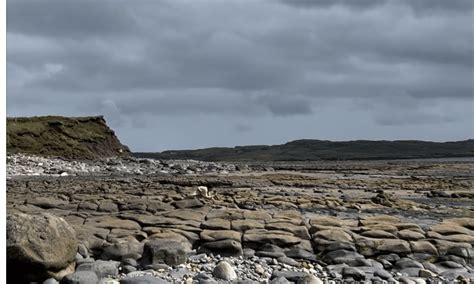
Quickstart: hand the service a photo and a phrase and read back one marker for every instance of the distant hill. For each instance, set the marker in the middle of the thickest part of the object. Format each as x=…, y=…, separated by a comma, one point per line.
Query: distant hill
x=311, y=150
x=67, y=137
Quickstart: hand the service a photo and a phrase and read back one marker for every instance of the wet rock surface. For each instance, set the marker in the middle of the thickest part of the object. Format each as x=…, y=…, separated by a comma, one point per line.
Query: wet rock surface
x=145, y=221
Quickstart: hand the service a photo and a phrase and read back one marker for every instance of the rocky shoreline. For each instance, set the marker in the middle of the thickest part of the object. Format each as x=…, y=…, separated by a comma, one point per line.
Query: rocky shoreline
x=148, y=221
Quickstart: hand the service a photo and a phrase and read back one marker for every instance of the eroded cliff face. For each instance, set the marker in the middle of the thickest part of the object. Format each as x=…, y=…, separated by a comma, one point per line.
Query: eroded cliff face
x=67, y=137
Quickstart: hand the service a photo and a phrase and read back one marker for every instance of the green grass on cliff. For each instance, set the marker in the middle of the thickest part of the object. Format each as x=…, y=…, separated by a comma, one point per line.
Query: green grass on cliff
x=69, y=137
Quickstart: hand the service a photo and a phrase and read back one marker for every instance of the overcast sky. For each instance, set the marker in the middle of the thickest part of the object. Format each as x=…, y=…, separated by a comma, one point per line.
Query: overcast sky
x=190, y=74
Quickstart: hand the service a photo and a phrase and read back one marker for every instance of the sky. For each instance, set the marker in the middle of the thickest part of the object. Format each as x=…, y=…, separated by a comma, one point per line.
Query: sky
x=187, y=74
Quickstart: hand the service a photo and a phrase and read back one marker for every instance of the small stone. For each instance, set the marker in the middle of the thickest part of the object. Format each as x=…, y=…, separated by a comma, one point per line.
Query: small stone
x=426, y=273
x=352, y=272
x=280, y=280
x=288, y=261
x=310, y=279
x=384, y=274
x=224, y=271
x=259, y=269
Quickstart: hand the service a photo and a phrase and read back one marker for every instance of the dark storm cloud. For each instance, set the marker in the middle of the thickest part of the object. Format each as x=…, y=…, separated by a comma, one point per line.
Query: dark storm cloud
x=259, y=59
x=69, y=18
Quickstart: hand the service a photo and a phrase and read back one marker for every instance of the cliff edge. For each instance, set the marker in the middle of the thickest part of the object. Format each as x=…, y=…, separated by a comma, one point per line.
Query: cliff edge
x=67, y=137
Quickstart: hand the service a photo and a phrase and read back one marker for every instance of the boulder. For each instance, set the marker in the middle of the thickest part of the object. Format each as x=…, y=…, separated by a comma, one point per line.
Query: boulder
x=169, y=252
x=38, y=246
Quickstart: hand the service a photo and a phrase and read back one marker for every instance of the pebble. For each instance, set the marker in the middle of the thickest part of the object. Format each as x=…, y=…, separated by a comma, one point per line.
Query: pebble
x=224, y=271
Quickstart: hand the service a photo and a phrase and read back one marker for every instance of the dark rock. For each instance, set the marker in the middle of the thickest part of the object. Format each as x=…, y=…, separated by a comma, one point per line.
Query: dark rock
x=298, y=253
x=222, y=247
x=340, y=245
x=342, y=256
x=270, y=254
x=450, y=264
x=352, y=272
x=188, y=203
x=128, y=268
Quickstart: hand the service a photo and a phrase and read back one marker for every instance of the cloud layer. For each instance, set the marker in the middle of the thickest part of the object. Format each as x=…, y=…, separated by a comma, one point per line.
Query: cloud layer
x=247, y=70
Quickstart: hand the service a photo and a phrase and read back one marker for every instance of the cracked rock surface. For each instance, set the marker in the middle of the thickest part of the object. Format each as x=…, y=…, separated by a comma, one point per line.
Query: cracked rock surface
x=145, y=221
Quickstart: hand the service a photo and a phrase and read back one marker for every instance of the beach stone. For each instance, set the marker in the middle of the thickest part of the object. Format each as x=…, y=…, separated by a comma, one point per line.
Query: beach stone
x=247, y=224
x=256, y=215
x=223, y=247
x=80, y=277
x=216, y=224
x=263, y=237
x=188, y=203
x=217, y=235
x=38, y=246
x=224, y=271
x=426, y=273
x=410, y=271
x=110, y=222
x=288, y=261
x=122, y=248
x=227, y=214
x=340, y=245
x=460, y=251
x=309, y=279
x=50, y=281
x=410, y=235
x=333, y=235
x=384, y=274
x=280, y=280
x=293, y=276
x=298, y=253
x=342, y=256
x=326, y=221
x=108, y=206
x=164, y=251
x=143, y=279
x=352, y=272
x=393, y=245
x=450, y=229
x=101, y=267
x=407, y=263
x=379, y=234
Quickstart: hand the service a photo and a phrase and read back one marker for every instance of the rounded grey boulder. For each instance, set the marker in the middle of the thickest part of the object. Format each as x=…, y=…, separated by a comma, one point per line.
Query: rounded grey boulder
x=38, y=246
